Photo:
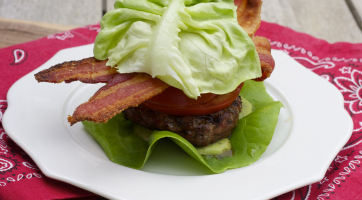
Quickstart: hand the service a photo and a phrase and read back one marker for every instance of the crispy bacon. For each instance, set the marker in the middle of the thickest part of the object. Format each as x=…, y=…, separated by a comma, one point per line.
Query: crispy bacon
x=248, y=12
x=249, y=15
x=123, y=91
x=91, y=70
x=88, y=70
x=267, y=63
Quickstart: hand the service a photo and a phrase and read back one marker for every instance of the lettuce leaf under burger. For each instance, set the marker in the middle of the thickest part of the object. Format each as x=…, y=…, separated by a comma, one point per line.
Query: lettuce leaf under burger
x=249, y=139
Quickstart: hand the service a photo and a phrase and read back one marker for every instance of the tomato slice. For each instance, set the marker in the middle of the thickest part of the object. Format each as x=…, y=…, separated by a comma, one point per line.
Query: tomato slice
x=209, y=104
x=173, y=97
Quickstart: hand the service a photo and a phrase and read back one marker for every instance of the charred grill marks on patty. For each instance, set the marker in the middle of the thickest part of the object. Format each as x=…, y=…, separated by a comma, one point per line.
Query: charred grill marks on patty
x=198, y=130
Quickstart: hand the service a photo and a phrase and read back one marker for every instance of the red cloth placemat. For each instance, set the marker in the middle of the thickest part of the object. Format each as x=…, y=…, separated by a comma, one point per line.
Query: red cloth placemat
x=341, y=64
x=338, y=63
x=19, y=176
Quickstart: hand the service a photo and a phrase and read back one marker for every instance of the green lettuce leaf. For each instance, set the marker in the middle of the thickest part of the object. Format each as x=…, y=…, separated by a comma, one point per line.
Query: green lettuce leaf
x=249, y=139
x=196, y=46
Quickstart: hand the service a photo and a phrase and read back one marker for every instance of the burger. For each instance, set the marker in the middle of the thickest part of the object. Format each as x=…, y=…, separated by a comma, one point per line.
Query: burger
x=175, y=67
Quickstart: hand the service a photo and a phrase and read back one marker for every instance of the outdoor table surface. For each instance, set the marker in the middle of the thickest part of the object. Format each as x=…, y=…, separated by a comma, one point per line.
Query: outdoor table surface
x=330, y=20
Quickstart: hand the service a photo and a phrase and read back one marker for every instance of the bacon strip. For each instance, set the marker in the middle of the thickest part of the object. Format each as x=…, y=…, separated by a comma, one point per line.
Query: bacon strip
x=248, y=14
x=88, y=70
x=249, y=18
x=123, y=91
x=267, y=63
x=91, y=70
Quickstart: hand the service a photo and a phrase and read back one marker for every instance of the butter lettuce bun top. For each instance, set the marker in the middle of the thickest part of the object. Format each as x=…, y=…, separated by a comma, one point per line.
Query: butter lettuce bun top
x=194, y=45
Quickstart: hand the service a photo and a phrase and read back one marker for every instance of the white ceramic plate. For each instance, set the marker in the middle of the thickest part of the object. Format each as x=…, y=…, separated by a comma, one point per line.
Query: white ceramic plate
x=312, y=128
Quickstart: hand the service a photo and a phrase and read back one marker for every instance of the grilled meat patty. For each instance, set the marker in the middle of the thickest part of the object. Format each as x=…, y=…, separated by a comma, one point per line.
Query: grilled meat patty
x=198, y=130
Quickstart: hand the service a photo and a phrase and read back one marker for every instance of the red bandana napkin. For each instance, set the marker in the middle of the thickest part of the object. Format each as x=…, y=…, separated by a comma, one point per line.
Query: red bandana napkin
x=338, y=63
